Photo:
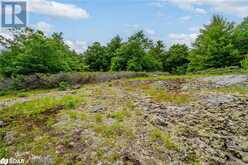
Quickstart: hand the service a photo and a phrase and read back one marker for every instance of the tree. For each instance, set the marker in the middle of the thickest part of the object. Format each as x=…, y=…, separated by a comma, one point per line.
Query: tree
x=32, y=52
x=176, y=60
x=111, y=49
x=96, y=57
x=140, y=37
x=128, y=55
x=214, y=48
x=241, y=37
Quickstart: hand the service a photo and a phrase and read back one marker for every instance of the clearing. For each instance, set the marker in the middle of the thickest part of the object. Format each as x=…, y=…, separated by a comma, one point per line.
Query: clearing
x=146, y=121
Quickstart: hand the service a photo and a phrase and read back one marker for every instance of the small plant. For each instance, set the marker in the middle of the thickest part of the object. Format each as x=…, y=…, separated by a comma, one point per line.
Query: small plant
x=50, y=122
x=119, y=115
x=244, y=63
x=72, y=102
x=73, y=115
x=98, y=118
x=63, y=86
x=3, y=152
x=22, y=94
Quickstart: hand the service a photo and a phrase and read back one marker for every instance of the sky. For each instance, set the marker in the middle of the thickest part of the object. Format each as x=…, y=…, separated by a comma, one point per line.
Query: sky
x=86, y=21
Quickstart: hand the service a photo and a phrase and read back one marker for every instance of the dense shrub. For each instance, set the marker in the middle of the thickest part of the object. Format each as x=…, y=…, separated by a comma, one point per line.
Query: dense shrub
x=244, y=63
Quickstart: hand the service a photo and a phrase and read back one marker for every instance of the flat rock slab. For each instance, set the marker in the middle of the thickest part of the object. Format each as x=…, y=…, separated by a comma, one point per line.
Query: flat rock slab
x=227, y=80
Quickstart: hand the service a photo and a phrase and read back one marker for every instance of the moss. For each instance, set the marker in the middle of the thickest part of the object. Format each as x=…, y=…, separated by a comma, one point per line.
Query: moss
x=158, y=135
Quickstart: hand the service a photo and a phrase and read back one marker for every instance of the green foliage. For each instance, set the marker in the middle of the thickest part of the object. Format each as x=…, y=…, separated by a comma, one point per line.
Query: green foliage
x=175, y=61
x=241, y=37
x=33, y=52
x=71, y=102
x=132, y=55
x=214, y=48
x=63, y=85
x=3, y=152
x=96, y=57
x=129, y=57
x=244, y=63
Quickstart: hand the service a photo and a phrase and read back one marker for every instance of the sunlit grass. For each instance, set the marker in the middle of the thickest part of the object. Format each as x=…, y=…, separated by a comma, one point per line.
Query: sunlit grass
x=231, y=90
x=174, y=97
x=38, y=106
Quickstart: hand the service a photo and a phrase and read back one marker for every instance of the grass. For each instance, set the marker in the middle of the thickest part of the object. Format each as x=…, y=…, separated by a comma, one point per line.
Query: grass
x=119, y=115
x=159, y=95
x=38, y=106
x=159, y=136
x=98, y=118
x=14, y=94
x=114, y=130
x=232, y=89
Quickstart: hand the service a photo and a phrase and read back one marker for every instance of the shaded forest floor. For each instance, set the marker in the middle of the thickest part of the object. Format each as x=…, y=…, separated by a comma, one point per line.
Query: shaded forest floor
x=152, y=120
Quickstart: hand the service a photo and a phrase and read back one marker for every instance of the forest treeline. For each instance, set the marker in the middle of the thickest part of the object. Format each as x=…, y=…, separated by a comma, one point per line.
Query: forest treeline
x=220, y=44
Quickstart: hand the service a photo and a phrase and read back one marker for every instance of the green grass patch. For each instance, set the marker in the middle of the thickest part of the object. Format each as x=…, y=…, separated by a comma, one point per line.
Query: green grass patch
x=119, y=115
x=9, y=94
x=98, y=118
x=232, y=89
x=111, y=131
x=159, y=136
x=159, y=95
x=38, y=106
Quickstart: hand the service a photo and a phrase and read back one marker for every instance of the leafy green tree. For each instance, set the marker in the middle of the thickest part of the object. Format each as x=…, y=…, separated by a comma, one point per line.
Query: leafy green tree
x=176, y=60
x=32, y=52
x=214, y=48
x=96, y=57
x=111, y=49
x=151, y=63
x=241, y=37
x=131, y=51
x=158, y=50
x=140, y=37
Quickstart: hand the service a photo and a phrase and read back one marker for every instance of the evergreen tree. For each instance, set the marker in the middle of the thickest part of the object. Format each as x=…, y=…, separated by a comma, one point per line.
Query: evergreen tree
x=214, y=48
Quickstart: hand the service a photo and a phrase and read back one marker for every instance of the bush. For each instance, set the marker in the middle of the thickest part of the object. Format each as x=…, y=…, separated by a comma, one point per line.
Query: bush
x=63, y=86
x=244, y=63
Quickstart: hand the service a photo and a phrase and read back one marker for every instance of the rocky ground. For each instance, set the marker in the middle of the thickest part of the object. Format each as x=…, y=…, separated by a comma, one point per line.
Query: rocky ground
x=134, y=121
